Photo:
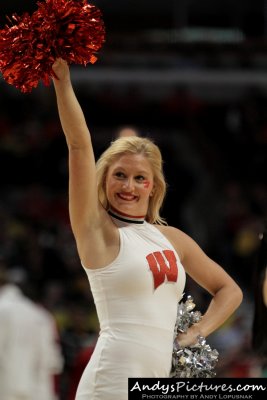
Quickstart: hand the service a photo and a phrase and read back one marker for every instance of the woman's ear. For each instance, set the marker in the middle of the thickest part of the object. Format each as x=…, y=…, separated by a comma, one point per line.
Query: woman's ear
x=152, y=191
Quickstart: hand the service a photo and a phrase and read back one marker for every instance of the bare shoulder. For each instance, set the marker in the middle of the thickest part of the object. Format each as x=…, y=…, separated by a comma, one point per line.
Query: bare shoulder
x=98, y=244
x=176, y=237
x=171, y=231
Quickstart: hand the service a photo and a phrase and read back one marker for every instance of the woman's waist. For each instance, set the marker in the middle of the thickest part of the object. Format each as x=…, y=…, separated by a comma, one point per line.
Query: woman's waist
x=138, y=333
x=143, y=312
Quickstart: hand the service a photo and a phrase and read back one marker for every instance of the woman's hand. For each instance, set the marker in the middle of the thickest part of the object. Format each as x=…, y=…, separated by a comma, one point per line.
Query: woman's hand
x=189, y=338
x=61, y=70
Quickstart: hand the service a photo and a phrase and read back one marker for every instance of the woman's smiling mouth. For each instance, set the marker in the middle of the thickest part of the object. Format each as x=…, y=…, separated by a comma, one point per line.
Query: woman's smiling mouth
x=126, y=196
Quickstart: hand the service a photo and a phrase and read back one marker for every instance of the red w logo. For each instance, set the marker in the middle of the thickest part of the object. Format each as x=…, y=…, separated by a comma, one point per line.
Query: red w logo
x=160, y=269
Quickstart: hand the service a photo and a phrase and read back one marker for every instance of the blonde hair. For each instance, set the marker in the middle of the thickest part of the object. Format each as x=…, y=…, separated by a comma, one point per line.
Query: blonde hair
x=135, y=145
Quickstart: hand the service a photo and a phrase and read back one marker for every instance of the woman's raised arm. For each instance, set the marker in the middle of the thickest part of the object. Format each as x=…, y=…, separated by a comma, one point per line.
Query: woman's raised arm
x=84, y=207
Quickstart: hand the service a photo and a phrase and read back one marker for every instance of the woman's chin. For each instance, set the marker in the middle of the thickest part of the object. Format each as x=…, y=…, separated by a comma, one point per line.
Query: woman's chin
x=129, y=208
x=124, y=207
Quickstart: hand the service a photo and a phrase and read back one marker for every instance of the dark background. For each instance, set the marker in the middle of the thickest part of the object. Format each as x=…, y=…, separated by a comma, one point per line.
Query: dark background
x=192, y=76
x=133, y=15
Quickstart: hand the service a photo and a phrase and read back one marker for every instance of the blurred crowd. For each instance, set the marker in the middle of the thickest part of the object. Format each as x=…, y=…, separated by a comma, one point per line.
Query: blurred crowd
x=215, y=163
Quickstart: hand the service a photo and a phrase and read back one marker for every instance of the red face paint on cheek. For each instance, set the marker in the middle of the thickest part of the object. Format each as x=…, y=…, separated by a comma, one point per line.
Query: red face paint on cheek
x=146, y=184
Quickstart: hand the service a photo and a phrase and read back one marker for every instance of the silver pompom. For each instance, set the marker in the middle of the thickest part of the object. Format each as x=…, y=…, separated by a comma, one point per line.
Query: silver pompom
x=196, y=361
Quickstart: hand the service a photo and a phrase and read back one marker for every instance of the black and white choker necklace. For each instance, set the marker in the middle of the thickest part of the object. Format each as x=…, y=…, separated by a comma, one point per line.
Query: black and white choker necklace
x=125, y=217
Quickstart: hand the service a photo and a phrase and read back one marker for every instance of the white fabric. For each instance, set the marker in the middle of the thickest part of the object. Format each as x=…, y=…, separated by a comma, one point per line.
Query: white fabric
x=137, y=321
x=29, y=354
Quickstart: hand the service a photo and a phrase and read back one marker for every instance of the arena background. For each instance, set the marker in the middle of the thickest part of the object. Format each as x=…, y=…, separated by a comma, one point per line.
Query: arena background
x=190, y=74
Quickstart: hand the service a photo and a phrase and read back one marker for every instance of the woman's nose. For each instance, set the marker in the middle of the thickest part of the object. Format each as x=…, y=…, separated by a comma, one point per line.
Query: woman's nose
x=128, y=184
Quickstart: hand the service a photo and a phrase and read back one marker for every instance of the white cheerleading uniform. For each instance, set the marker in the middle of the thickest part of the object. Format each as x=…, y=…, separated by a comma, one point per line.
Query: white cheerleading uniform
x=136, y=298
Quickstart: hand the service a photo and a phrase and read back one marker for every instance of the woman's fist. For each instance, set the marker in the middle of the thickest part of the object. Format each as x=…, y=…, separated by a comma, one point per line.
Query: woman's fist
x=61, y=71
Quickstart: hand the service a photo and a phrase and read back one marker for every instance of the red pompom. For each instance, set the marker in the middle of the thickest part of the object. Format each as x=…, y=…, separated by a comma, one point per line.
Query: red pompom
x=70, y=29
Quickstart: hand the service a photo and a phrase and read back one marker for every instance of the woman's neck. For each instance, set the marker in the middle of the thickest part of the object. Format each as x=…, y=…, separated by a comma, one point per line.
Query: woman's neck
x=126, y=217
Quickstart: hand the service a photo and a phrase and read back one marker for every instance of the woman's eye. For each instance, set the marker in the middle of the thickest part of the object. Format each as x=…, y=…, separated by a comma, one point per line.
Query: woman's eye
x=140, y=178
x=119, y=175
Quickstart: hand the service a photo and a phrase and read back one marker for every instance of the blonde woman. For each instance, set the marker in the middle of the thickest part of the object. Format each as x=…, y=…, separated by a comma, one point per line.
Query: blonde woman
x=135, y=263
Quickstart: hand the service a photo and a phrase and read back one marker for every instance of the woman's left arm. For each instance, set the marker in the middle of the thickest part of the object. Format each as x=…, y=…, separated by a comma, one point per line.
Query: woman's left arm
x=226, y=294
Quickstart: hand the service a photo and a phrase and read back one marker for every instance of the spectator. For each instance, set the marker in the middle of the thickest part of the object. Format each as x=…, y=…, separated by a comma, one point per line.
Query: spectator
x=29, y=353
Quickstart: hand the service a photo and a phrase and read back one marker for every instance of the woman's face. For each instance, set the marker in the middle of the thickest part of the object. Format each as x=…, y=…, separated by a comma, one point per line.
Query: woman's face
x=129, y=184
